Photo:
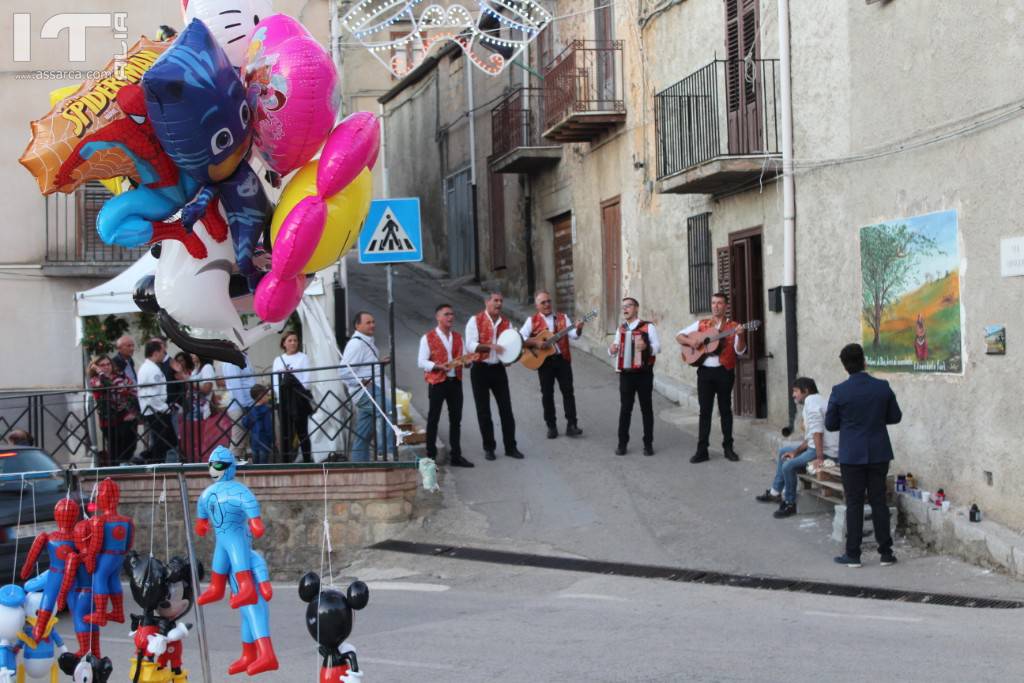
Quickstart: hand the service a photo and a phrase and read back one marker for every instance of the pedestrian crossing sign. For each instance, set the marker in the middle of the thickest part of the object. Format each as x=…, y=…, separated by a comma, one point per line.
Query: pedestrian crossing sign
x=392, y=232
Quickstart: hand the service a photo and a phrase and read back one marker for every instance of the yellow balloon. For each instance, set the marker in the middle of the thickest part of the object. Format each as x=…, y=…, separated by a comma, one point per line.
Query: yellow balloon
x=346, y=212
x=115, y=185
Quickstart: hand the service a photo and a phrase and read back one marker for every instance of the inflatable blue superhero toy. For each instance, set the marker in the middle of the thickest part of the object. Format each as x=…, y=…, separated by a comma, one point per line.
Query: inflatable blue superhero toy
x=202, y=114
x=257, y=649
x=230, y=508
x=12, y=620
x=38, y=658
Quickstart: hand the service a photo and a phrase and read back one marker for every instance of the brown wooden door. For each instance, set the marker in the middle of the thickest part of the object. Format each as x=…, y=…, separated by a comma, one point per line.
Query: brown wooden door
x=603, y=35
x=611, y=246
x=743, y=76
x=565, y=287
x=746, y=300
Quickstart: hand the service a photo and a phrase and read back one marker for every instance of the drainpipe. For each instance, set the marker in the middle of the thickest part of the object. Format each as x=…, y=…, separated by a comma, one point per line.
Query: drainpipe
x=472, y=166
x=531, y=278
x=341, y=276
x=788, y=208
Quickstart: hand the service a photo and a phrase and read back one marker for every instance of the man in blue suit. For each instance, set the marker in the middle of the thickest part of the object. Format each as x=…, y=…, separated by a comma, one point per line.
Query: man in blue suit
x=859, y=409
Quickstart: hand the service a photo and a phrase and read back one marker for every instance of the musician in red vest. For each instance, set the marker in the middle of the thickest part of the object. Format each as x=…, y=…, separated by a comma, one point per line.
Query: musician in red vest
x=487, y=375
x=439, y=350
x=634, y=351
x=716, y=376
x=557, y=366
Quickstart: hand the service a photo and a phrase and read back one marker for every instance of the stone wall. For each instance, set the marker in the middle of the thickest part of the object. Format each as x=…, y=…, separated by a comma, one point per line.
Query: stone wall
x=364, y=505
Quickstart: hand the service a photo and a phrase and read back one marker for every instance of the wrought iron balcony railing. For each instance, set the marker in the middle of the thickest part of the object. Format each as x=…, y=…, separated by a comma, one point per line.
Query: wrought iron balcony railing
x=583, y=91
x=517, y=145
x=71, y=237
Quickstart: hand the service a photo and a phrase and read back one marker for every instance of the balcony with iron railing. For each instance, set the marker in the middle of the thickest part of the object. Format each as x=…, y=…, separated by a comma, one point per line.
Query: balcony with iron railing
x=516, y=143
x=73, y=247
x=583, y=89
x=718, y=128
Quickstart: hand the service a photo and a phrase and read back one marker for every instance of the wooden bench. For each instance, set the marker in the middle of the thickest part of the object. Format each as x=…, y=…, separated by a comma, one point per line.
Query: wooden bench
x=827, y=485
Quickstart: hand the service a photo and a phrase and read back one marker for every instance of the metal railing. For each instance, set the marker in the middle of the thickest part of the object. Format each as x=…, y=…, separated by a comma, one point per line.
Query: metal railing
x=585, y=78
x=515, y=121
x=106, y=424
x=727, y=108
x=71, y=235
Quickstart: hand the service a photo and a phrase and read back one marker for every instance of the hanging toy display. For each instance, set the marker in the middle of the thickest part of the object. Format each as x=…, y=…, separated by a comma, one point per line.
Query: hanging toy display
x=88, y=668
x=165, y=593
x=255, y=619
x=79, y=596
x=234, y=514
x=112, y=535
x=329, y=622
x=38, y=656
x=12, y=620
x=59, y=546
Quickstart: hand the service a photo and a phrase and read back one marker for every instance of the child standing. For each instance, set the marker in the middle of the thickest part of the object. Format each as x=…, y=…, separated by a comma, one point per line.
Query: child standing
x=260, y=423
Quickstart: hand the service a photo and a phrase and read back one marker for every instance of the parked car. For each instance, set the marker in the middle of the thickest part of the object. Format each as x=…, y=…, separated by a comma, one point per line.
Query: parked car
x=38, y=490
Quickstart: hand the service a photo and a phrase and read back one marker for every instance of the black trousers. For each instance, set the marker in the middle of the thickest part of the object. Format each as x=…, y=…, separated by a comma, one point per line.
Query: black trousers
x=712, y=382
x=295, y=425
x=120, y=439
x=636, y=385
x=487, y=379
x=557, y=368
x=161, y=436
x=857, y=479
x=447, y=392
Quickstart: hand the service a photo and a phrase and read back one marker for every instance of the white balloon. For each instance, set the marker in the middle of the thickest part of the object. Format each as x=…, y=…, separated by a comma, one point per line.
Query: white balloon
x=230, y=21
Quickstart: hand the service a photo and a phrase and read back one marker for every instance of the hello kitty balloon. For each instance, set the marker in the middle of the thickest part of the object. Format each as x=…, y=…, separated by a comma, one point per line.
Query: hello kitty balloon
x=230, y=21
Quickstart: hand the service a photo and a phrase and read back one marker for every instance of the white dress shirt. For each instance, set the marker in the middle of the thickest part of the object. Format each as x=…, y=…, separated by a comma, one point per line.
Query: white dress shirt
x=360, y=353
x=473, y=338
x=239, y=381
x=652, y=337
x=152, y=399
x=424, y=361
x=713, y=361
x=815, y=406
x=527, y=329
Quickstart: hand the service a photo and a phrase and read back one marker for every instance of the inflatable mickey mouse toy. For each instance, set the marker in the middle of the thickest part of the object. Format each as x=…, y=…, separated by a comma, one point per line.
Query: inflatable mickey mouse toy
x=87, y=669
x=166, y=594
x=329, y=621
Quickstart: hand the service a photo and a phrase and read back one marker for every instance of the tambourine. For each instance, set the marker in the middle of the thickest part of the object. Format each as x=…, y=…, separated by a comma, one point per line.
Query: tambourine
x=512, y=344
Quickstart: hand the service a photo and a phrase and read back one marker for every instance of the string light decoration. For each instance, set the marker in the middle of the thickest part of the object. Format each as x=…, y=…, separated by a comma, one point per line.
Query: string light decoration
x=492, y=36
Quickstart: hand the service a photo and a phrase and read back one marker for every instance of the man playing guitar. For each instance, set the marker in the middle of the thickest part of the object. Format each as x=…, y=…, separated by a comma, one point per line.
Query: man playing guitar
x=487, y=375
x=716, y=376
x=557, y=366
x=441, y=360
x=633, y=352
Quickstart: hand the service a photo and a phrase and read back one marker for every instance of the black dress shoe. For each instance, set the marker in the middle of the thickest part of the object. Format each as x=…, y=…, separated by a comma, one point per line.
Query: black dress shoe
x=552, y=432
x=620, y=449
x=514, y=453
x=459, y=461
x=648, y=450
x=489, y=455
x=730, y=455
x=700, y=456
x=573, y=430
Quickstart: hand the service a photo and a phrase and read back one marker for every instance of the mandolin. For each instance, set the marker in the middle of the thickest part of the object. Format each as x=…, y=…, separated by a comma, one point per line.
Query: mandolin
x=460, y=361
x=699, y=345
x=534, y=357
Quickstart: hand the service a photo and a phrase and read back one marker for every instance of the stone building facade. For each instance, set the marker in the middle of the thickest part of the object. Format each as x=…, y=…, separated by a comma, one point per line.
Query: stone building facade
x=650, y=166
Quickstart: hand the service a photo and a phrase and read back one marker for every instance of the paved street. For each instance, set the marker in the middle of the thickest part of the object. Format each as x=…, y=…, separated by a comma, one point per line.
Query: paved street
x=435, y=618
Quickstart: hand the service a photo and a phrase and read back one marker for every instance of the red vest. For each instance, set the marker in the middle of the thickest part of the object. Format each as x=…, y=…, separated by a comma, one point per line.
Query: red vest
x=486, y=333
x=726, y=349
x=439, y=356
x=538, y=323
x=646, y=357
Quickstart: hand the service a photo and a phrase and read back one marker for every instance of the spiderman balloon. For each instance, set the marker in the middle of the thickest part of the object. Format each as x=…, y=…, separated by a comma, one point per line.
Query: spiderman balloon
x=231, y=509
x=59, y=545
x=111, y=538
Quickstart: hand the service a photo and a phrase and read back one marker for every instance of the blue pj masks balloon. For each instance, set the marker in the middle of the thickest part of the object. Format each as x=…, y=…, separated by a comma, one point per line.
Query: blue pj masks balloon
x=199, y=107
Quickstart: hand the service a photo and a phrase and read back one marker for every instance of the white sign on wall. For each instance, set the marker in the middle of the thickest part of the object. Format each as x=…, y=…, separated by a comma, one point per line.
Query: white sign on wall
x=1011, y=256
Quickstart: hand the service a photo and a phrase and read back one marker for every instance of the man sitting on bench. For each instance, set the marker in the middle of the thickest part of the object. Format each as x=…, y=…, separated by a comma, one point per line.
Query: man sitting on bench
x=817, y=445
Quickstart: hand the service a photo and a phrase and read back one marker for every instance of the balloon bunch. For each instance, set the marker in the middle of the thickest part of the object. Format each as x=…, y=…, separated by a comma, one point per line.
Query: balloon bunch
x=180, y=120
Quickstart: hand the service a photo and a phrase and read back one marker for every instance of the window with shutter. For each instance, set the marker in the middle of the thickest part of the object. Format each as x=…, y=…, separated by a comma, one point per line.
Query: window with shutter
x=742, y=76
x=698, y=242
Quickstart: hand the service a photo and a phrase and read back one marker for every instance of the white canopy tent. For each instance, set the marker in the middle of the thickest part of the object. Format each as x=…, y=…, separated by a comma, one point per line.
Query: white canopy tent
x=115, y=295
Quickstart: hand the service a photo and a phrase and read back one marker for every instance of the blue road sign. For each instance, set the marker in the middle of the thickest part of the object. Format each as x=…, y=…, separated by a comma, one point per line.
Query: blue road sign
x=392, y=232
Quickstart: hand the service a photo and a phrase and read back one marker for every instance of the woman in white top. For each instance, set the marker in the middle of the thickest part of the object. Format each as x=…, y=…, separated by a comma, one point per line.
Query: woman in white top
x=203, y=377
x=291, y=390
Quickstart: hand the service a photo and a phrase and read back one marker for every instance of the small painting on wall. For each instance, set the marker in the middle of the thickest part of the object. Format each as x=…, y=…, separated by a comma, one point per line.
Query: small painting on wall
x=995, y=340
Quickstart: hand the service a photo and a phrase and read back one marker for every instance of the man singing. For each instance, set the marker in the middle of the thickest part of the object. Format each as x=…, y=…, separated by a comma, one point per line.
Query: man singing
x=439, y=350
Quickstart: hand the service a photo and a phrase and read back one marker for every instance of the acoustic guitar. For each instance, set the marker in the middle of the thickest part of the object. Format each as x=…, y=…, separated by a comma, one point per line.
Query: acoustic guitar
x=699, y=345
x=534, y=357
